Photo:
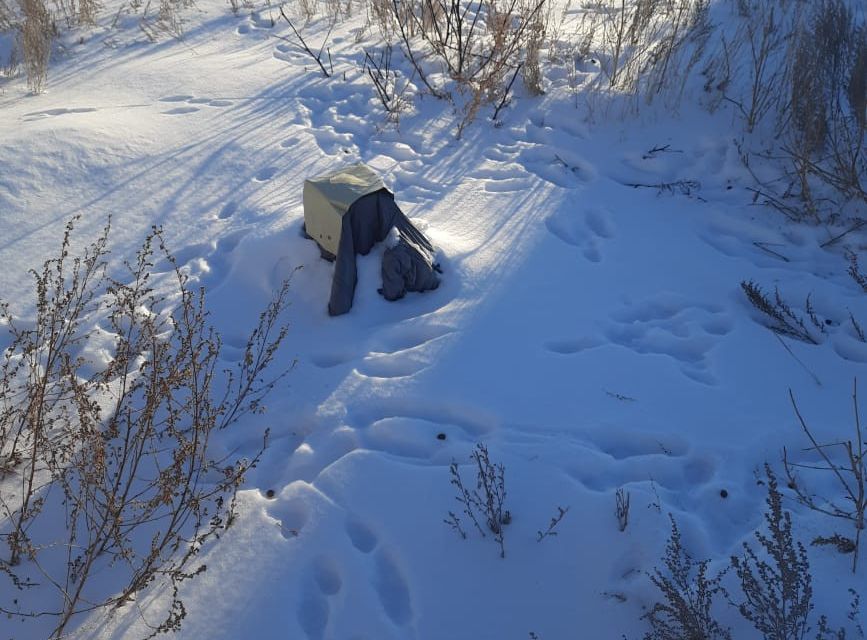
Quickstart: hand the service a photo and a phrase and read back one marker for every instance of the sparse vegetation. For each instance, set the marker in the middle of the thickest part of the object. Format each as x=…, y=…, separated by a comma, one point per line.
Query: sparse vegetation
x=850, y=472
x=775, y=581
x=780, y=317
x=688, y=594
x=119, y=449
x=479, y=45
x=621, y=508
x=773, y=589
x=486, y=502
x=555, y=520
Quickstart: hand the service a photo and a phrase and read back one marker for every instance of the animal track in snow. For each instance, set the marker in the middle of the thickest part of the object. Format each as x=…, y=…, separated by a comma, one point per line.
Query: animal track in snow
x=570, y=346
x=670, y=325
x=332, y=359
x=503, y=180
x=256, y=22
x=360, y=535
x=193, y=103
x=407, y=427
x=228, y=210
x=398, y=352
x=313, y=614
x=265, y=174
x=391, y=587
x=326, y=575
x=53, y=113
x=178, y=111
x=409, y=355
x=548, y=152
x=622, y=444
x=585, y=230
x=291, y=515
x=208, y=261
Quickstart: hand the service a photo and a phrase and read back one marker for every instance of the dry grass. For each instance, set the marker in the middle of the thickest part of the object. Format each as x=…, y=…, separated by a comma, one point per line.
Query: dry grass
x=112, y=462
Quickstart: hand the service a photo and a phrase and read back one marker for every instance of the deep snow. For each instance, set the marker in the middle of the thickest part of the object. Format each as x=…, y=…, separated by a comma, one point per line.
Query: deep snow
x=593, y=334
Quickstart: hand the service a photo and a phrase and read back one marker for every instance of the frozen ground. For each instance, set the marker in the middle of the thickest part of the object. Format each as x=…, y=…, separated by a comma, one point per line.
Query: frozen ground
x=594, y=335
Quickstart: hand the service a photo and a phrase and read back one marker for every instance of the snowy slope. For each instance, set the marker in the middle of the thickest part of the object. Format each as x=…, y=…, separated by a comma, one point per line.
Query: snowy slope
x=593, y=334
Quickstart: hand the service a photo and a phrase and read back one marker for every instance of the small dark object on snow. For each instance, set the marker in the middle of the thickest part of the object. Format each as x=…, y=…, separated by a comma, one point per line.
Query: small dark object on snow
x=269, y=494
x=828, y=321
x=507, y=517
x=723, y=494
x=441, y=436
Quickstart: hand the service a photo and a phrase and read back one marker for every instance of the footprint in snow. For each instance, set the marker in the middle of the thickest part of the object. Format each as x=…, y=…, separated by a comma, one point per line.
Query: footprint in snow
x=550, y=155
x=291, y=516
x=228, y=210
x=313, y=614
x=263, y=175
x=585, y=230
x=193, y=101
x=207, y=261
x=360, y=535
x=326, y=575
x=180, y=111
x=401, y=351
x=392, y=590
x=670, y=325
x=53, y=113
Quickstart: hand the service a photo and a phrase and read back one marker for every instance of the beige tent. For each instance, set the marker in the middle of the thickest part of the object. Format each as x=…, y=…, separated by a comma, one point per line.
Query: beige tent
x=328, y=198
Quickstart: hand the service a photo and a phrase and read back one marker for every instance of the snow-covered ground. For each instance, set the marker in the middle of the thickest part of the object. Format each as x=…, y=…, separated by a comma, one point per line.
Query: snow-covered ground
x=592, y=334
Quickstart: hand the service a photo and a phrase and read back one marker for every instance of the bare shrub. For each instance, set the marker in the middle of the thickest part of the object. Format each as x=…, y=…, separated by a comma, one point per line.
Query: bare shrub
x=782, y=319
x=381, y=13
x=11, y=64
x=37, y=34
x=621, y=508
x=850, y=471
x=479, y=45
x=307, y=8
x=555, y=520
x=485, y=502
x=824, y=630
x=167, y=21
x=335, y=9
x=7, y=15
x=828, y=86
x=649, y=47
x=35, y=397
x=123, y=453
x=687, y=597
x=757, y=52
x=531, y=72
x=391, y=92
x=80, y=12
x=775, y=581
x=300, y=42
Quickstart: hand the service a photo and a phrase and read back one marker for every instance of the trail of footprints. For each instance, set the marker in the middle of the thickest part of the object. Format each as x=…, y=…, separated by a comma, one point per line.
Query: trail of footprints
x=401, y=352
x=672, y=326
x=191, y=104
x=322, y=582
x=667, y=324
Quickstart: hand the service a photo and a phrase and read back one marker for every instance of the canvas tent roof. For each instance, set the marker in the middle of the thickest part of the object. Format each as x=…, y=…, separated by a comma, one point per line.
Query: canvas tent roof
x=327, y=198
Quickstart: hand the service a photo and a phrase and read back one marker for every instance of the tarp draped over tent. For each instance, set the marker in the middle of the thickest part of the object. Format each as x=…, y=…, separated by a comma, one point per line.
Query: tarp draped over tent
x=347, y=212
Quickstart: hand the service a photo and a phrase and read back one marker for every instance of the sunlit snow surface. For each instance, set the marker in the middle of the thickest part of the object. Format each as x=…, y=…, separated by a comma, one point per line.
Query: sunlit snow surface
x=593, y=334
